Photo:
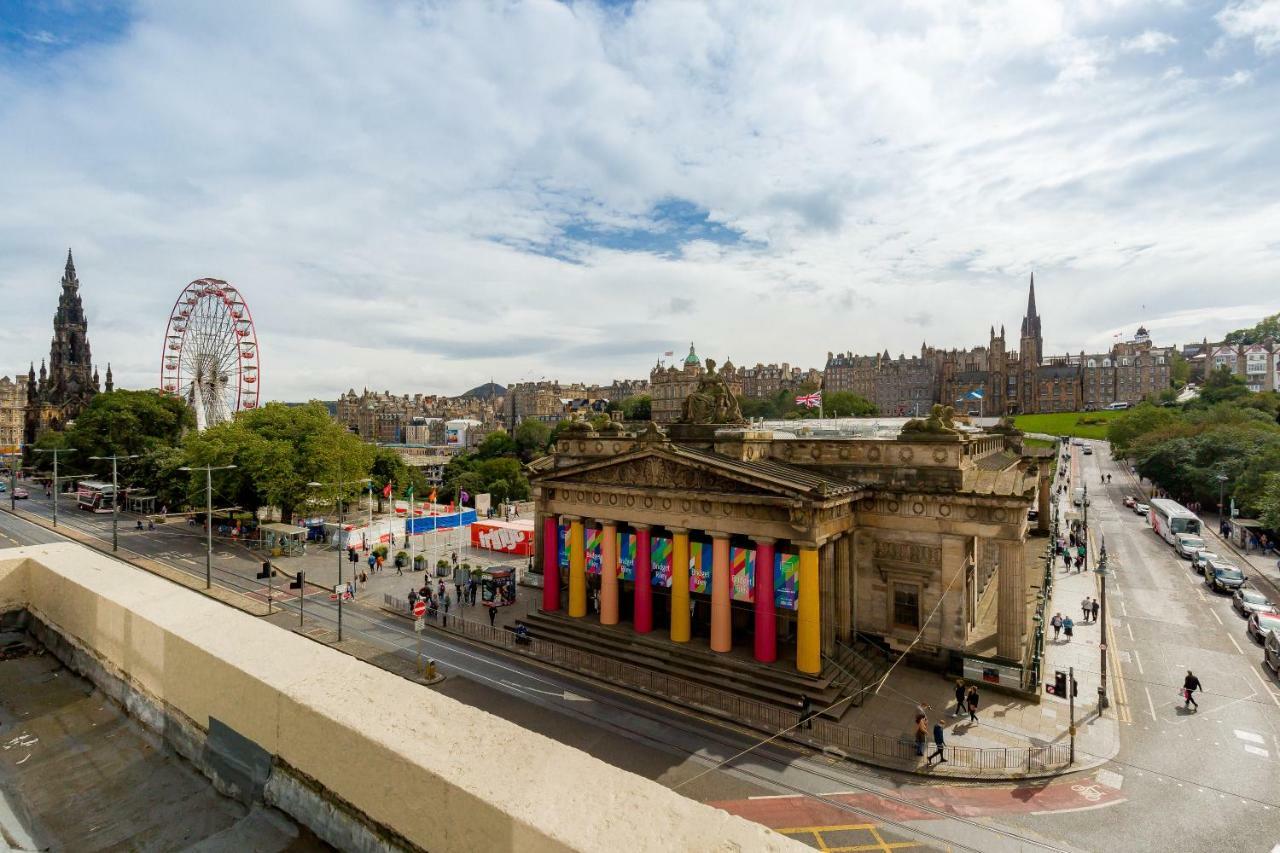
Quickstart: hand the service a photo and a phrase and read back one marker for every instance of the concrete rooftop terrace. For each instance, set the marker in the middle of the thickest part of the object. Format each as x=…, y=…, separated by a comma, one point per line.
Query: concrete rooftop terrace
x=375, y=746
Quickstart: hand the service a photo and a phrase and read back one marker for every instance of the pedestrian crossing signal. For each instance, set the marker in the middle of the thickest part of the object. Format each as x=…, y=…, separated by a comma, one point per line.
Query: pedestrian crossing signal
x=296, y=583
x=266, y=571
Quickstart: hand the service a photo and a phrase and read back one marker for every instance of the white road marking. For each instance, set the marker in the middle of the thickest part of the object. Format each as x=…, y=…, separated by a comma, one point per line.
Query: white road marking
x=1265, y=687
x=1216, y=616
x=1124, y=609
x=1110, y=778
x=1130, y=630
x=1249, y=736
x=1137, y=659
x=1150, y=702
x=1234, y=643
x=1257, y=750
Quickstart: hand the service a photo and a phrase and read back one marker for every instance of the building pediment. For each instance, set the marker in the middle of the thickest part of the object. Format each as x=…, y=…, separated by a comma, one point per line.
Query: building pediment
x=687, y=470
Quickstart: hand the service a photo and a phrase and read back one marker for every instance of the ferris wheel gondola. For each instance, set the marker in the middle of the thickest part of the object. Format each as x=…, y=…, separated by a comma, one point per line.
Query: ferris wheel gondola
x=210, y=354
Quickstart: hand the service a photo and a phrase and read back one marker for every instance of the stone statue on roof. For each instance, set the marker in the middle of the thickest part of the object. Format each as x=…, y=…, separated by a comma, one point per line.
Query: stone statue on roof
x=712, y=402
x=939, y=422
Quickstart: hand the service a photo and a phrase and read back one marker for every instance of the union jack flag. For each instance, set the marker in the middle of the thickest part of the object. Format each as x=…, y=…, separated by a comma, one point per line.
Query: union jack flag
x=810, y=401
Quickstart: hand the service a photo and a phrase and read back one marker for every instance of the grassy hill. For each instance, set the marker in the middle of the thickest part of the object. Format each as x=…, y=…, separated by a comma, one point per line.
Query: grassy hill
x=1072, y=424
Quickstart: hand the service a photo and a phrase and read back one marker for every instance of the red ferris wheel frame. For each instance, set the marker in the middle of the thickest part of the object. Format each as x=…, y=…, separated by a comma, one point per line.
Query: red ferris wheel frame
x=203, y=303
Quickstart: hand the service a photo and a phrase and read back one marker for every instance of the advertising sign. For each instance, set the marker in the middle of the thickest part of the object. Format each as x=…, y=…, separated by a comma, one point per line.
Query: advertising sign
x=500, y=536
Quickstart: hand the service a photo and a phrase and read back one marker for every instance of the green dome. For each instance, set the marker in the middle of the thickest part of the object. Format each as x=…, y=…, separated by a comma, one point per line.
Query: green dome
x=691, y=360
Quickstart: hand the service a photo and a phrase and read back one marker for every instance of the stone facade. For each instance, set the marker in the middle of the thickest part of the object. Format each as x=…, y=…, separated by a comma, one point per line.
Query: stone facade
x=551, y=401
x=13, y=408
x=387, y=417
x=1128, y=373
x=69, y=381
x=670, y=384
x=1258, y=364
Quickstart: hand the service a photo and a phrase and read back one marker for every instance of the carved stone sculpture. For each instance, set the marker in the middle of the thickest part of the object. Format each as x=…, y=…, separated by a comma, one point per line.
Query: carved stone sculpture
x=939, y=422
x=712, y=402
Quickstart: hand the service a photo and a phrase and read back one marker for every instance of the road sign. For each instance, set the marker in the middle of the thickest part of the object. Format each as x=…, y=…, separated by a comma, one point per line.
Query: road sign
x=419, y=608
x=419, y=625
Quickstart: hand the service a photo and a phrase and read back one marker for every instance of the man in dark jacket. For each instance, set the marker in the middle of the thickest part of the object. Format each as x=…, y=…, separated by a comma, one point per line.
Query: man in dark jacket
x=1190, y=685
x=939, y=744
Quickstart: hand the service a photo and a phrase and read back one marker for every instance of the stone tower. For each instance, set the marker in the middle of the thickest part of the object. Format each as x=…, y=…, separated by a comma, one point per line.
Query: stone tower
x=1030, y=352
x=70, y=381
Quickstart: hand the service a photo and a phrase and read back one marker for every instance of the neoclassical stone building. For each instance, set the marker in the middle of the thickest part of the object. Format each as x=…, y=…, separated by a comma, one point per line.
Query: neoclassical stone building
x=739, y=539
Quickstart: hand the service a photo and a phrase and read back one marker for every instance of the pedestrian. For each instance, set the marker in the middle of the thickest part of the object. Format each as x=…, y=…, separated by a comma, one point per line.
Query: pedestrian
x=1086, y=606
x=440, y=589
x=399, y=569
x=445, y=618
x=1068, y=627
x=939, y=745
x=971, y=702
x=1190, y=685
x=1056, y=622
x=413, y=598
x=493, y=615
x=1095, y=608
x=1066, y=559
x=455, y=559
x=922, y=733
x=959, y=697
x=457, y=591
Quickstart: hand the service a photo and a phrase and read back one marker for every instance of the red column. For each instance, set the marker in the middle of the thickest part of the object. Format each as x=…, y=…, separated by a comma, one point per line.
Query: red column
x=766, y=628
x=644, y=583
x=550, y=564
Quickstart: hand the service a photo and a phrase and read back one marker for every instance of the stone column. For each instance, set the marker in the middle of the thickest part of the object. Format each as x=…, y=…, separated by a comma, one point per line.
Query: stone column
x=680, y=631
x=766, y=627
x=826, y=588
x=550, y=564
x=644, y=581
x=1011, y=612
x=1043, y=525
x=808, y=612
x=577, y=568
x=844, y=602
x=721, y=594
x=609, y=573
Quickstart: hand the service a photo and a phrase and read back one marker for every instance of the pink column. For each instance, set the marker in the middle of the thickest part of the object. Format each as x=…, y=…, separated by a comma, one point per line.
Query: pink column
x=643, y=617
x=766, y=640
x=550, y=564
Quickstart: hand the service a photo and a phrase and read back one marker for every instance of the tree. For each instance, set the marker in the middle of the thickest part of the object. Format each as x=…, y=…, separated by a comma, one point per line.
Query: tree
x=848, y=404
x=1179, y=370
x=1221, y=385
x=496, y=443
x=531, y=439
x=637, y=408
x=1144, y=418
x=1268, y=327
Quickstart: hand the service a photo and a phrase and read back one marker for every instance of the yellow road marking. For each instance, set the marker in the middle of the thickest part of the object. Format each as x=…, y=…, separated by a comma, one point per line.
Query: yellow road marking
x=837, y=828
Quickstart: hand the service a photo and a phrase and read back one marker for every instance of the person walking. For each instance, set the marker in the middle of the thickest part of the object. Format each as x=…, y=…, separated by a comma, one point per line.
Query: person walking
x=1066, y=559
x=922, y=734
x=1085, y=607
x=806, y=713
x=1190, y=685
x=1056, y=622
x=457, y=592
x=971, y=702
x=1068, y=628
x=959, y=698
x=445, y=618
x=1095, y=608
x=493, y=616
x=939, y=745
x=399, y=568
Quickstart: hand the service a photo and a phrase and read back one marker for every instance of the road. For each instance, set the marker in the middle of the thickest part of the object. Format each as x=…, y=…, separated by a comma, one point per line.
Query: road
x=1192, y=780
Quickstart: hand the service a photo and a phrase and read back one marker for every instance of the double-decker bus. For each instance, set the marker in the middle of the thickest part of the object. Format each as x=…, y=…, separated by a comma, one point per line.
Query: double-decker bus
x=1169, y=518
x=94, y=495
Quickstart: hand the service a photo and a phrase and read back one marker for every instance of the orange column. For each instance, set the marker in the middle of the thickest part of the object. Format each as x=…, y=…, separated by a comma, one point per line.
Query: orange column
x=721, y=592
x=608, y=573
x=577, y=568
x=808, y=613
x=679, y=585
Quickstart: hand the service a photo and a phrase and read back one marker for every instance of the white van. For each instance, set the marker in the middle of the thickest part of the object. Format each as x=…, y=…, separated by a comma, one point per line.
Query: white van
x=1080, y=497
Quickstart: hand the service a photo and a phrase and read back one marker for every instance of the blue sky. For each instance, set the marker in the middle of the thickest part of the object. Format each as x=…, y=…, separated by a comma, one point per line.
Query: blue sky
x=422, y=196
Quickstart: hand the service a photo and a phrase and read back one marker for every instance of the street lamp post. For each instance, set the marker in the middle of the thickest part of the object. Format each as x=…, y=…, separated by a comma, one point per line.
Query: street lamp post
x=55, y=451
x=337, y=545
x=13, y=480
x=115, y=495
x=1222, y=510
x=1102, y=572
x=208, y=518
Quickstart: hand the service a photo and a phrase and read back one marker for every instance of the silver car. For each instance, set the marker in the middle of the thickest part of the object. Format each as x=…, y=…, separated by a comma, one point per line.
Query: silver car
x=1247, y=600
x=1201, y=559
x=1187, y=544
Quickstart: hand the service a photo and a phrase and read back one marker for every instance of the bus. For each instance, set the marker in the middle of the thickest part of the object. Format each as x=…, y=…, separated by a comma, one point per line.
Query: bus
x=94, y=496
x=1169, y=518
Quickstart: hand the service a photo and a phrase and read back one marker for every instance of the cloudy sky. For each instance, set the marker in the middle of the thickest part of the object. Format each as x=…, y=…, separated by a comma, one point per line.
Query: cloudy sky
x=421, y=196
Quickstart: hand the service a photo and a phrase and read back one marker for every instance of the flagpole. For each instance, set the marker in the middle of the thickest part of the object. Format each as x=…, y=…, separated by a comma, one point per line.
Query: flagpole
x=410, y=528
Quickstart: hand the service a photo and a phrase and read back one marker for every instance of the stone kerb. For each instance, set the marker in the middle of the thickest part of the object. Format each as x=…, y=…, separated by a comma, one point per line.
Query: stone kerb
x=385, y=747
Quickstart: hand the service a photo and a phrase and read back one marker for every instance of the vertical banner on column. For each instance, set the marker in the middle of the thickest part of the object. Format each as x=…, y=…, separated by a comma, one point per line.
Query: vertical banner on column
x=700, y=567
x=627, y=556
x=786, y=571
x=593, y=537
x=562, y=531
x=660, y=560
x=742, y=569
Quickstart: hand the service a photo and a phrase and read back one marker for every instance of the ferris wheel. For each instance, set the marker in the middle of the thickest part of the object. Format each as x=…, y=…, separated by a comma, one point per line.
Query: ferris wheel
x=210, y=356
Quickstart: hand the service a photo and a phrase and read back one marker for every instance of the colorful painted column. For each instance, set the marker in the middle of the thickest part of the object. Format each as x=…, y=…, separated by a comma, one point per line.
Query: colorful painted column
x=550, y=564
x=721, y=594
x=577, y=568
x=644, y=581
x=609, y=573
x=808, y=618
x=679, y=585
x=766, y=639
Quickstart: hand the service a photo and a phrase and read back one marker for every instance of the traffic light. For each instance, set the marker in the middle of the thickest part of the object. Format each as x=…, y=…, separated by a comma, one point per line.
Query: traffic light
x=266, y=570
x=296, y=583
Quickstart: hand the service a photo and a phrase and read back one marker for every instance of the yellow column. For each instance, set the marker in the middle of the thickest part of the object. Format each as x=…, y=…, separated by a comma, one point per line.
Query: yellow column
x=609, y=573
x=679, y=585
x=808, y=613
x=577, y=569
x=721, y=592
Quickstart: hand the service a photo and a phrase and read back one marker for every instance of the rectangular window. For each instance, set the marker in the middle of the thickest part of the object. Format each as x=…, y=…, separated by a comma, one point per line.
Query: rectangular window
x=906, y=606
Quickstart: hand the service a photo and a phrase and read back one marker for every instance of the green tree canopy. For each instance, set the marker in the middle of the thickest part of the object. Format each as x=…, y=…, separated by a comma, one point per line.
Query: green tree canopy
x=531, y=439
x=637, y=408
x=496, y=443
x=1268, y=327
x=122, y=423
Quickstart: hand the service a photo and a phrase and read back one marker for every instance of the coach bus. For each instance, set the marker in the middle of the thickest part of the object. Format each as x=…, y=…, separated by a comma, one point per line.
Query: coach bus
x=1169, y=518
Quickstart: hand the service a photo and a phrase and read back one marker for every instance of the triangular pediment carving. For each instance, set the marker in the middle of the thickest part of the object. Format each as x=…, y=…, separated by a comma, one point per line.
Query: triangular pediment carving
x=655, y=472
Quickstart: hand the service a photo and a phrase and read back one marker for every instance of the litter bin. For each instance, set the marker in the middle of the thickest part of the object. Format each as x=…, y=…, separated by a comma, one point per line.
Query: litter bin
x=1060, y=683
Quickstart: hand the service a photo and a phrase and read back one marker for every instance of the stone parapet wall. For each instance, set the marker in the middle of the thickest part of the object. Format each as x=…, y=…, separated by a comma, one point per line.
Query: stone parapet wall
x=382, y=746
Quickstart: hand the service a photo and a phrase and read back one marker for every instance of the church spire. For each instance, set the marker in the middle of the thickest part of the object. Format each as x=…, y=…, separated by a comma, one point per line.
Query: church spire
x=110, y=384
x=71, y=267
x=1031, y=298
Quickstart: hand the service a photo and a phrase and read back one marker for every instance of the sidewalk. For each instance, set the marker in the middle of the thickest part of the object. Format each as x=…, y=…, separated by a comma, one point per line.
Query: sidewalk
x=1264, y=565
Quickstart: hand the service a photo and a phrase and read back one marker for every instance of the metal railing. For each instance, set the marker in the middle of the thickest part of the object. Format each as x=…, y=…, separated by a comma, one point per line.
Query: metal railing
x=759, y=715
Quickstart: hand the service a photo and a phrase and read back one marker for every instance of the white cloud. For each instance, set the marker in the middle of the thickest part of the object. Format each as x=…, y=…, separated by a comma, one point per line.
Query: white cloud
x=1253, y=19
x=1149, y=41
x=1237, y=78
x=372, y=176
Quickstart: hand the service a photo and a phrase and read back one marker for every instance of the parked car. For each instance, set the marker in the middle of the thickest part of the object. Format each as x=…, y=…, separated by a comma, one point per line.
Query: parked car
x=1187, y=544
x=1271, y=652
x=1033, y=515
x=1248, y=600
x=1200, y=560
x=1263, y=624
x=1223, y=577
x=1130, y=501
x=1141, y=509
x=1088, y=451
x=21, y=494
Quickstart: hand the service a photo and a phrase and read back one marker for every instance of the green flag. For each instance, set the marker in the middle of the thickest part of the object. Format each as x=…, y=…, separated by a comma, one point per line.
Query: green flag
x=408, y=493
